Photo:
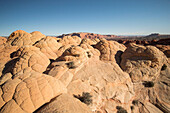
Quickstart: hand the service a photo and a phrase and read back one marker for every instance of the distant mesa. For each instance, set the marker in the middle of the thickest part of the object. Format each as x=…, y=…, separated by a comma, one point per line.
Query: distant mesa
x=154, y=34
x=88, y=35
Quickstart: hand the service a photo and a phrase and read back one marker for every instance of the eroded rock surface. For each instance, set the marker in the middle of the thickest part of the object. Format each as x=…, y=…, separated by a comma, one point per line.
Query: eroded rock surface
x=45, y=74
x=142, y=62
x=27, y=92
x=21, y=38
x=49, y=46
x=2, y=40
x=110, y=50
x=30, y=58
x=65, y=104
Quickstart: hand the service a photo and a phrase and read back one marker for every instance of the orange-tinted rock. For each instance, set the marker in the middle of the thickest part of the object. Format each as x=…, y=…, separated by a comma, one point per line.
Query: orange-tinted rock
x=65, y=104
x=21, y=38
x=49, y=46
x=2, y=40
x=30, y=59
x=109, y=50
x=41, y=74
x=29, y=91
x=142, y=63
x=89, y=35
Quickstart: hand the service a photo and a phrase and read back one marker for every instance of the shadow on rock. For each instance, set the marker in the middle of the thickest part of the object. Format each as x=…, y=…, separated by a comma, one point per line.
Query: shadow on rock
x=118, y=57
x=9, y=66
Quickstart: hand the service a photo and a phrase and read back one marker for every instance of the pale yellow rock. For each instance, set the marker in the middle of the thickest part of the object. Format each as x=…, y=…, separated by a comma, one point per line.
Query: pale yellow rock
x=5, y=77
x=49, y=46
x=114, y=83
x=74, y=53
x=110, y=50
x=36, y=36
x=151, y=108
x=28, y=91
x=74, y=40
x=88, y=41
x=12, y=107
x=62, y=49
x=65, y=104
x=2, y=40
x=21, y=38
x=142, y=63
x=91, y=52
x=5, y=58
x=31, y=56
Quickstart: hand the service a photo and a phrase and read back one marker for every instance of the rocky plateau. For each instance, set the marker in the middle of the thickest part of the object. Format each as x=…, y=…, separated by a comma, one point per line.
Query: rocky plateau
x=83, y=73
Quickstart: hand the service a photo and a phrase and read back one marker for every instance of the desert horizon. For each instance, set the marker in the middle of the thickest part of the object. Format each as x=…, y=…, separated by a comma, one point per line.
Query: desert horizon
x=85, y=56
x=98, y=33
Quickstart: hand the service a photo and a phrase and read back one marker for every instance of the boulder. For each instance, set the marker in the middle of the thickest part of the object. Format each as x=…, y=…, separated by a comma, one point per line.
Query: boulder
x=49, y=46
x=73, y=40
x=27, y=92
x=61, y=72
x=142, y=63
x=89, y=41
x=91, y=52
x=74, y=53
x=5, y=58
x=36, y=36
x=114, y=84
x=110, y=50
x=65, y=104
x=21, y=38
x=30, y=58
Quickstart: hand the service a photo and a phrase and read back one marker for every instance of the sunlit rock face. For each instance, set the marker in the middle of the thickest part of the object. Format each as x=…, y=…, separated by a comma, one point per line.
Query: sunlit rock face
x=43, y=74
x=2, y=40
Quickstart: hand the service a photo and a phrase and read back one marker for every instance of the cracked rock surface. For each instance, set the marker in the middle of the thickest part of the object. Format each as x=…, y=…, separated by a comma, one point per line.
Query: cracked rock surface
x=44, y=74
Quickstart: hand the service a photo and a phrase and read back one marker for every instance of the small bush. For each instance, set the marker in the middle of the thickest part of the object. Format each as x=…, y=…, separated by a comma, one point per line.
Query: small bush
x=71, y=65
x=88, y=54
x=132, y=108
x=135, y=102
x=164, y=67
x=148, y=84
x=120, y=109
x=76, y=55
x=85, y=98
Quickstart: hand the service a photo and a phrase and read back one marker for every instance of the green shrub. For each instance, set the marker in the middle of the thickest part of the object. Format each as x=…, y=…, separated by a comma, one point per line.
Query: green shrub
x=132, y=108
x=71, y=65
x=164, y=67
x=88, y=54
x=85, y=98
x=148, y=84
x=135, y=102
x=120, y=109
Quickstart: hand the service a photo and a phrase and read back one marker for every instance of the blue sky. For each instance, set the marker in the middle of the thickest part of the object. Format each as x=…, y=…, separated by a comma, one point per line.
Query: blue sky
x=55, y=17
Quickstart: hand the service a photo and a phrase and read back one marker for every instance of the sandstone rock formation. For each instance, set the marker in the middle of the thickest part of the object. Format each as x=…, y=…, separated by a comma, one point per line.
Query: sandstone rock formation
x=2, y=40
x=70, y=40
x=110, y=50
x=43, y=74
x=5, y=58
x=65, y=104
x=30, y=58
x=27, y=92
x=142, y=63
x=20, y=38
x=46, y=46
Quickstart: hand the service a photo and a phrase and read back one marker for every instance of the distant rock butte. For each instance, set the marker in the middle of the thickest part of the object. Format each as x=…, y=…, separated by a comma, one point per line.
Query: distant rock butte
x=88, y=35
x=83, y=73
